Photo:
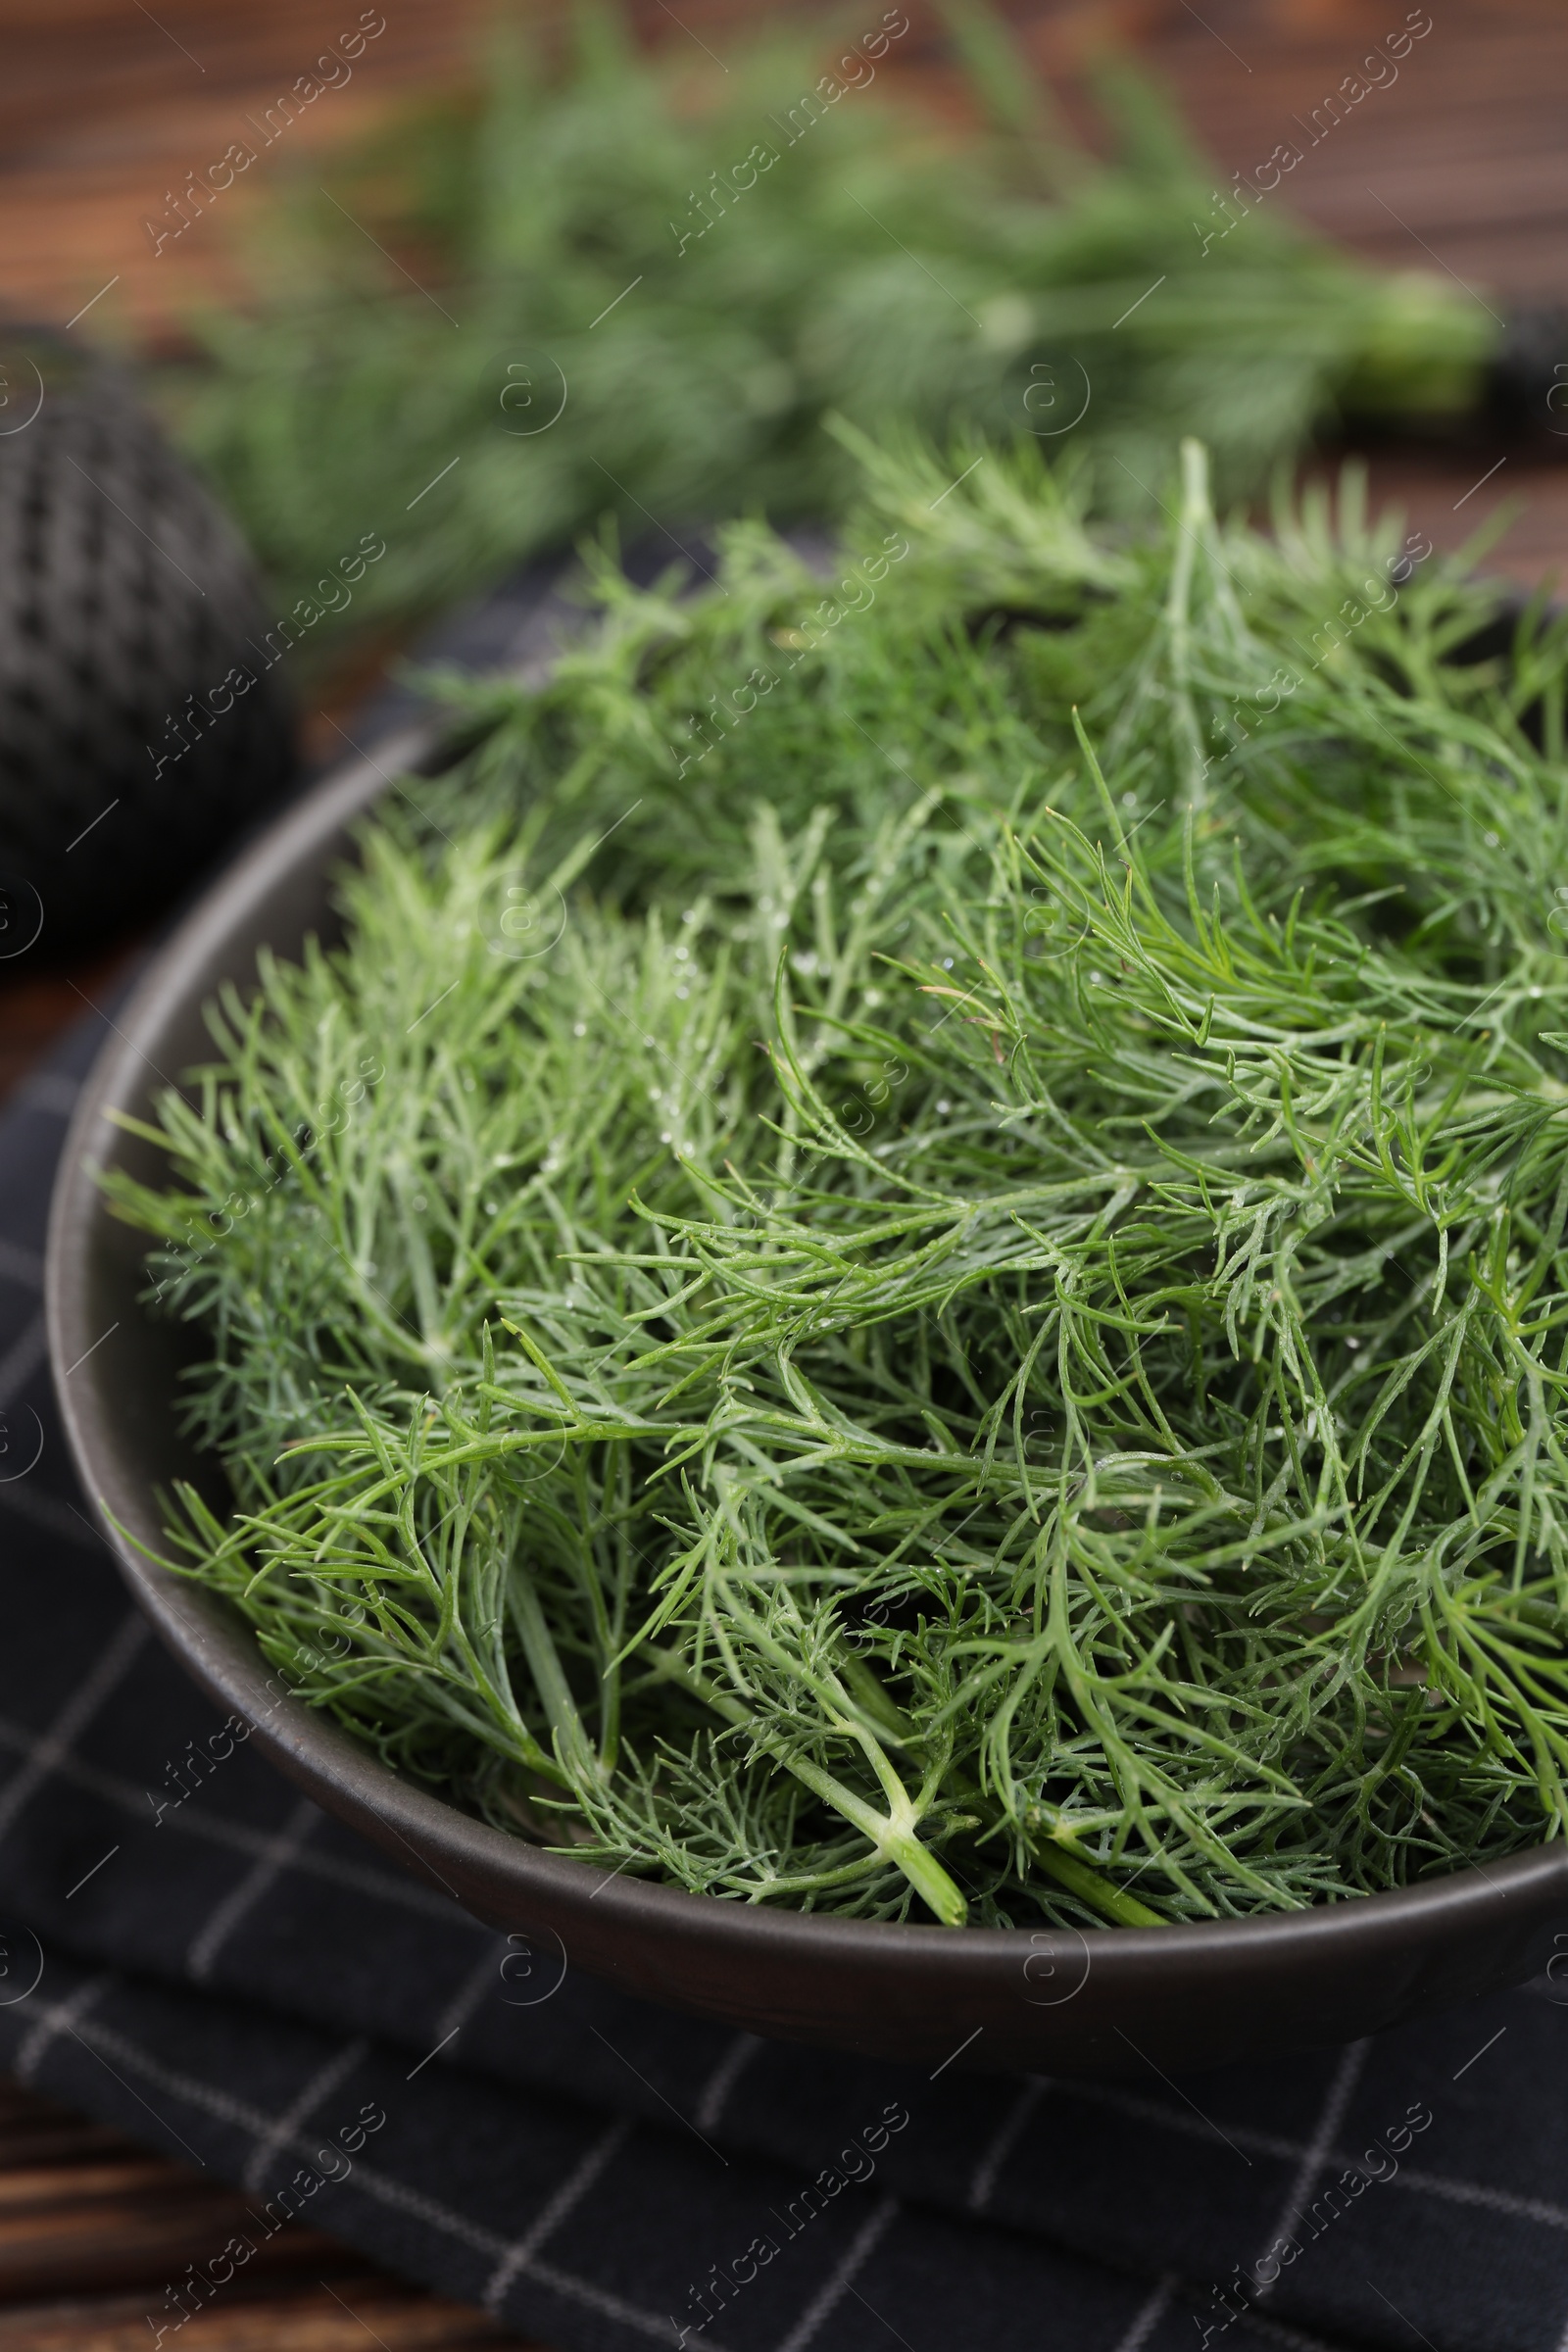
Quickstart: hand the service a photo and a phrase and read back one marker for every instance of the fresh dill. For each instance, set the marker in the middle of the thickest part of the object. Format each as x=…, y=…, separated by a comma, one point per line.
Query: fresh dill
x=911, y=1261
x=597, y=282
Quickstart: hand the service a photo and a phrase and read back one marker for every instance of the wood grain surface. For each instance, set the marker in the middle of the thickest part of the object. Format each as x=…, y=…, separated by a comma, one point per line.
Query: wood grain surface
x=95, y=2232
x=104, y=106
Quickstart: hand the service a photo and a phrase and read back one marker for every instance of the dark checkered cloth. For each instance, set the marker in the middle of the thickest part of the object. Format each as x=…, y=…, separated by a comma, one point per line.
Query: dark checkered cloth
x=233, y=1978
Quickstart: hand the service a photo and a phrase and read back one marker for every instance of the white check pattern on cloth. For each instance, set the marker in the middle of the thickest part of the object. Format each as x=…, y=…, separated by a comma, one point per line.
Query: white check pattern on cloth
x=988, y=2170
x=485, y=1972
x=722, y=2081
x=212, y=2100
x=1273, y=2143
x=48, y=1754
x=279, y=2134
x=1148, y=2314
x=282, y=2135
x=280, y=1852
x=320, y=2085
x=194, y=1820
x=573, y=2190
x=53, y=2018
x=839, y=2280
x=1298, y=2197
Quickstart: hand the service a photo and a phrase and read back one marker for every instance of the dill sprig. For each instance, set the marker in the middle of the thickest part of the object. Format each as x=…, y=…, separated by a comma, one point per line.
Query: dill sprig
x=596, y=282
x=913, y=1260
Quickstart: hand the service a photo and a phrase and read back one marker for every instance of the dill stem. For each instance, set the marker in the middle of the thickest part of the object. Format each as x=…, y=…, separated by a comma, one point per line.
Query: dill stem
x=544, y=1664
x=1114, y=1903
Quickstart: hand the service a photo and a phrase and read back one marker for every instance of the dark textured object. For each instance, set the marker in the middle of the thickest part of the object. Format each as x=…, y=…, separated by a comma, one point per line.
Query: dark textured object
x=126, y=605
x=1106, y=2005
x=1527, y=382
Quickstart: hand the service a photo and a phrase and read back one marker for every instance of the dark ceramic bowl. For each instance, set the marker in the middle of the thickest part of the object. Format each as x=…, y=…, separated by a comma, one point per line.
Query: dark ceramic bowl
x=1118, y=2002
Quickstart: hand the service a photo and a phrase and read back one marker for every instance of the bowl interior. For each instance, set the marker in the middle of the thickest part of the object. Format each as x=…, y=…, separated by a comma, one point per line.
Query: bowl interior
x=1107, y=2004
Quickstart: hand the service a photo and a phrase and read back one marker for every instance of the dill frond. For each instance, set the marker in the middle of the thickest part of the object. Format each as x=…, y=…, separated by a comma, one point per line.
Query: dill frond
x=597, y=284
x=913, y=1261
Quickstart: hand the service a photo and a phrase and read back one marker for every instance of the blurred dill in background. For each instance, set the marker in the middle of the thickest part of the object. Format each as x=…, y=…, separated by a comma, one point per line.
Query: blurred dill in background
x=597, y=283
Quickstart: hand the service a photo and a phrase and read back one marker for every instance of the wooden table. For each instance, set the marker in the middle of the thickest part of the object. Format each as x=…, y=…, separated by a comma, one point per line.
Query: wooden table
x=1460, y=165
x=92, y=2229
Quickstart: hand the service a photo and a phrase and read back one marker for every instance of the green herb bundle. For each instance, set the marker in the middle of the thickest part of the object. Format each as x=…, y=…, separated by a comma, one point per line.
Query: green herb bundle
x=601, y=283
x=912, y=1261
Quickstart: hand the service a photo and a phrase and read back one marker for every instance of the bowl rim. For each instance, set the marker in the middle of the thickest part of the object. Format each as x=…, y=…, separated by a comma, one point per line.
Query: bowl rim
x=425, y=1831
